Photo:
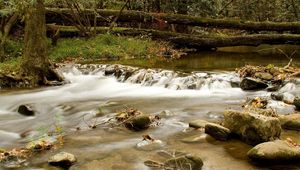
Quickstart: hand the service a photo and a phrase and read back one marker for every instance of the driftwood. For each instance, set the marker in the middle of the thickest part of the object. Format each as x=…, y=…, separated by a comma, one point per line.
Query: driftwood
x=59, y=16
x=192, y=41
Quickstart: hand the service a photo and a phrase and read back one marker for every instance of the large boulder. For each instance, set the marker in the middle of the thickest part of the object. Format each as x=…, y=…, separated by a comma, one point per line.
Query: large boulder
x=217, y=131
x=252, y=128
x=252, y=84
x=275, y=151
x=291, y=122
x=62, y=159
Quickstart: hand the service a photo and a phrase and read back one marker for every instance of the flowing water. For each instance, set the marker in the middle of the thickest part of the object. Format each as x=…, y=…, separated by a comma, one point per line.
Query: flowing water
x=183, y=95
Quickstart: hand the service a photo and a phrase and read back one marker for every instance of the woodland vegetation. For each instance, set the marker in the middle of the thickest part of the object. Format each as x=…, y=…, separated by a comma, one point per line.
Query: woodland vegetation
x=197, y=24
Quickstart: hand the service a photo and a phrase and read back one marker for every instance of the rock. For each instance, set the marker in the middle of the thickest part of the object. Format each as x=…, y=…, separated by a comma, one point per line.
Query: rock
x=252, y=128
x=192, y=86
x=166, y=114
x=198, y=123
x=26, y=110
x=263, y=76
x=267, y=112
x=297, y=102
x=291, y=122
x=257, y=102
x=288, y=98
x=109, y=70
x=217, y=131
x=252, y=84
x=187, y=162
x=277, y=96
x=274, y=87
x=195, y=139
x=62, y=159
x=137, y=123
x=150, y=145
x=275, y=151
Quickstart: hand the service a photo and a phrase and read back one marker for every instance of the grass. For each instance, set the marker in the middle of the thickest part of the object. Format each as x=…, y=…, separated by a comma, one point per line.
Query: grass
x=100, y=49
x=11, y=65
x=104, y=47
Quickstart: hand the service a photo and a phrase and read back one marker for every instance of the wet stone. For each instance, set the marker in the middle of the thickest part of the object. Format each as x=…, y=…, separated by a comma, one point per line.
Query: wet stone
x=264, y=76
x=252, y=84
x=297, y=102
x=275, y=152
x=277, y=96
x=252, y=128
x=62, y=159
x=26, y=110
x=138, y=123
x=290, y=122
x=217, y=131
x=198, y=123
x=187, y=162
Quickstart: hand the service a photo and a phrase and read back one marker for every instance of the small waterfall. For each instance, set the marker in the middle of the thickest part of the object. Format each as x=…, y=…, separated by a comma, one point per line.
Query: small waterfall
x=164, y=78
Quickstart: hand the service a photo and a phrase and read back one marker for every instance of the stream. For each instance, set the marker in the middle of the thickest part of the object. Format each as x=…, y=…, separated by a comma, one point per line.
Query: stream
x=181, y=94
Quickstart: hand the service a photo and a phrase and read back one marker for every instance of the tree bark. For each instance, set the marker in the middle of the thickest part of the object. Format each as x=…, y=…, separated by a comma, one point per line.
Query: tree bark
x=5, y=32
x=55, y=16
x=35, y=62
x=192, y=41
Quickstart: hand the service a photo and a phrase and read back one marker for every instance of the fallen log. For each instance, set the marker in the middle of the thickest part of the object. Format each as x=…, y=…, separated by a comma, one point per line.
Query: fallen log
x=192, y=41
x=61, y=16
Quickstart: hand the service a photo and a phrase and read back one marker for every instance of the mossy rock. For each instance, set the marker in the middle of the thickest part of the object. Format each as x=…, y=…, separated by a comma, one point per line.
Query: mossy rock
x=275, y=152
x=290, y=122
x=252, y=128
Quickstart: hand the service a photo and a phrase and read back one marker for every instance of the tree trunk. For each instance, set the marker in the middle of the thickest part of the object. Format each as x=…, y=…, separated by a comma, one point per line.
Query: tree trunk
x=6, y=28
x=35, y=63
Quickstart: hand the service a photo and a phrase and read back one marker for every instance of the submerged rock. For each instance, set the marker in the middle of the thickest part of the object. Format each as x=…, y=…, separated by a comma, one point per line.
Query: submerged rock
x=217, y=131
x=252, y=128
x=150, y=145
x=137, y=123
x=26, y=110
x=291, y=122
x=198, y=123
x=252, y=84
x=62, y=159
x=166, y=114
x=187, y=162
x=275, y=151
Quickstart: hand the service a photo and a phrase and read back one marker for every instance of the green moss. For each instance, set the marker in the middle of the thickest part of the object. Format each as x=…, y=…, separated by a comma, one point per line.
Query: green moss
x=104, y=47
